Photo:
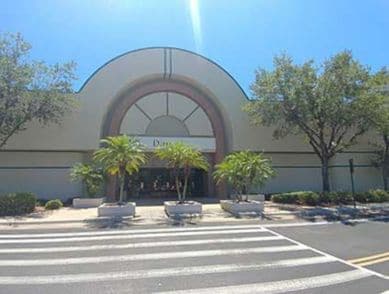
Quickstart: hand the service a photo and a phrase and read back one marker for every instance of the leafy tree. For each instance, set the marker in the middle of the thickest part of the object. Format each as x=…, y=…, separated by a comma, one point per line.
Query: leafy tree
x=91, y=176
x=380, y=90
x=182, y=157
x=326, y=104
x=31, y=90
x=119, y=155
x=243, y=170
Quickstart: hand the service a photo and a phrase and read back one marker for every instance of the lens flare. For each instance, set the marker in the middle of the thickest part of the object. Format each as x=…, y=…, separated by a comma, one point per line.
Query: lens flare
x=196, y=23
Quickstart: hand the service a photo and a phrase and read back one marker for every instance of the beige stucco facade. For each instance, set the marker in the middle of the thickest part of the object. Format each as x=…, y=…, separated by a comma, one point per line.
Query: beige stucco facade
x=39, y=158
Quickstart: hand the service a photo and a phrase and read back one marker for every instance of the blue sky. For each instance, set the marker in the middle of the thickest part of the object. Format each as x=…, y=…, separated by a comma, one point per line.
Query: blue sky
x=239, y=35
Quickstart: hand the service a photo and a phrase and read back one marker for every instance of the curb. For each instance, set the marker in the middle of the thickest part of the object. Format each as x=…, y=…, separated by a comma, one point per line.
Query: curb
x=70, y=221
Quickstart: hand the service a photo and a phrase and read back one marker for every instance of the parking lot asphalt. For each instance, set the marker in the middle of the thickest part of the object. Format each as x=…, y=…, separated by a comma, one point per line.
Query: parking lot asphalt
x=362, y=243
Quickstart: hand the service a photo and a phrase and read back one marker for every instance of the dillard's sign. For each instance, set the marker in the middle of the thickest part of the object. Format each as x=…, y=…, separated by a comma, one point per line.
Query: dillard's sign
x=206, y=144
x=158, y=142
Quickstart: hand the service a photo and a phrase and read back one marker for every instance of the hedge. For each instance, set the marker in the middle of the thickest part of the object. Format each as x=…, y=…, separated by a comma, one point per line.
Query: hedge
x=376, y=195
x=339, y=197
x=298, y=197
x=17, y=203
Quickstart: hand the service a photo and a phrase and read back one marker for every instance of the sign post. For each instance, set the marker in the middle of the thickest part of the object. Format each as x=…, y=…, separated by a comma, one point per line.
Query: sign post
x=351, y=165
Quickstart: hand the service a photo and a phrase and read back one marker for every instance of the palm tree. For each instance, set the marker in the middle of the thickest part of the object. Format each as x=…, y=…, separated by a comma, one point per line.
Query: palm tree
x=182, y=157
x=92, y=177
x=243, y=170
x=120, y=154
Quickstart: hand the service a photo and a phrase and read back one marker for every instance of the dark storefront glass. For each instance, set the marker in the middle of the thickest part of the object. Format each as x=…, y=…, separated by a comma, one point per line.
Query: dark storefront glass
x=160, y=183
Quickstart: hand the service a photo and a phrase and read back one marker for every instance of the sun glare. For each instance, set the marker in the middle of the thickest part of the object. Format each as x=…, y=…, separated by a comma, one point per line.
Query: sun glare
x=196, y=23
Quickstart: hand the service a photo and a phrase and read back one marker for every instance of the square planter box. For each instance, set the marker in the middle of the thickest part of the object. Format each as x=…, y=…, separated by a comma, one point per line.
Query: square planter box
x=242, y=207
x=87, y=202
x=116, y=210
x=173, y=208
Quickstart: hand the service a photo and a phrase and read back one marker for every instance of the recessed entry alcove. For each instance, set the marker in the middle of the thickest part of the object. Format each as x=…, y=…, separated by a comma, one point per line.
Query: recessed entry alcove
x=166, y=117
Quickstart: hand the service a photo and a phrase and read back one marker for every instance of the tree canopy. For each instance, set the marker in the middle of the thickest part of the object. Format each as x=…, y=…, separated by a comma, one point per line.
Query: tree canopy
x=31, y=90
x=92, y=177
x=243, y=170
x=119, y=155
x=379, y=87
x=326, y=103
x=182, y=157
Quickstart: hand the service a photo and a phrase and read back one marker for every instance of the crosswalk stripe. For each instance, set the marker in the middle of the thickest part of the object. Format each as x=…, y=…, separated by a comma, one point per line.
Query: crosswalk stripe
x=281, y=286
x=122, y=232
x=148, y=256
x=159, y=273
x=139, y=245
x=131, y=236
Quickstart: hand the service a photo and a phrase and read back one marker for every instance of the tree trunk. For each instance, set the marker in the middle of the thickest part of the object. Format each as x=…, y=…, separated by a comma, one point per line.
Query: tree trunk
x=185, y=187
x=246, y=190
x=325, y=175
x=238, y=196
x=178, y=189
x=121, y=180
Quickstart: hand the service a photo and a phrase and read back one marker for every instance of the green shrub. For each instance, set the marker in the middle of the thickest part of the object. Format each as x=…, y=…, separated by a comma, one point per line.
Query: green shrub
x=285, y=198
x=308, y=198
x=53, y=204
x=300, y=197
x=377, y=195
x=361, y=197
x=337, y=197
x=17, y=203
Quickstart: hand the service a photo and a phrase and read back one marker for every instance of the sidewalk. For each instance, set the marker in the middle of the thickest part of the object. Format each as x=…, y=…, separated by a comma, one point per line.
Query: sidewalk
x=144, y=214
x=212, y=213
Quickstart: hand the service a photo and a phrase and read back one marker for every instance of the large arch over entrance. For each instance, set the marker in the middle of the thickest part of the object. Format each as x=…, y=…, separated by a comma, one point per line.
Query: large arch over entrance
x=123, y=102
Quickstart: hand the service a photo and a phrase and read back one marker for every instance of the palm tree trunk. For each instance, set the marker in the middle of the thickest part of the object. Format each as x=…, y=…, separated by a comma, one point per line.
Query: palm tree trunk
x=246, y=190
x=178, y=189
x=185, y=187
x=121, y=179
x=239, y=195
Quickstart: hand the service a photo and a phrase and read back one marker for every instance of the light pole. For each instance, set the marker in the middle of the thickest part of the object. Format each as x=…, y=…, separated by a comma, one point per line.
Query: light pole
x=351, y=165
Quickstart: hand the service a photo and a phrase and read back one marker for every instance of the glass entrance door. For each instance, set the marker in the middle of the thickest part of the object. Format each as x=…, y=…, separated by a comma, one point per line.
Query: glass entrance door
x=160, y=183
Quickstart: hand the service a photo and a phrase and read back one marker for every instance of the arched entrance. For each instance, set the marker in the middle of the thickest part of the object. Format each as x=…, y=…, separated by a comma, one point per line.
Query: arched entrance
x=123, y=102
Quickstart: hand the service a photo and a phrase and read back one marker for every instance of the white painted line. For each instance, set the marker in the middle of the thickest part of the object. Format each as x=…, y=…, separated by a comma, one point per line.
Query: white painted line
x=159, y=273
x=371, y=272
x=148, y=256
x=321, y=223
x=130, y=236
x=298, y=224
x=281, y=286
x=124, y=232
x=139, y=245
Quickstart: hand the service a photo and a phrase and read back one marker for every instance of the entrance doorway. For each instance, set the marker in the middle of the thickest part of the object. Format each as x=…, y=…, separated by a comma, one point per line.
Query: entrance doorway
x=159, y=183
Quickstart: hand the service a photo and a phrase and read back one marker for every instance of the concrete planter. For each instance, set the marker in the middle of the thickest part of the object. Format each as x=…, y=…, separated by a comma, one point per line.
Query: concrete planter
x=116, y=210
x=173, y=208
x=233, y=207
x=87, y=202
